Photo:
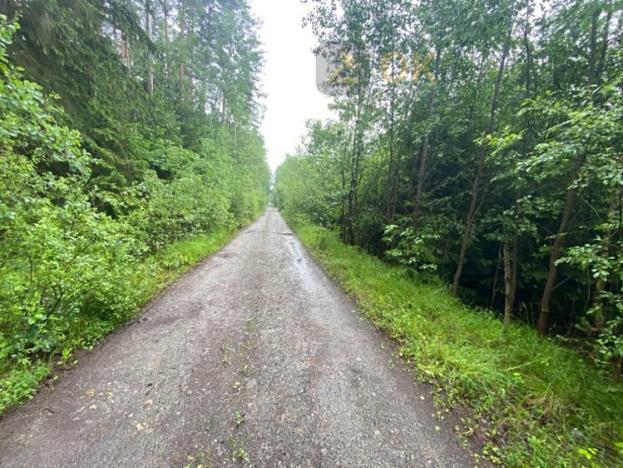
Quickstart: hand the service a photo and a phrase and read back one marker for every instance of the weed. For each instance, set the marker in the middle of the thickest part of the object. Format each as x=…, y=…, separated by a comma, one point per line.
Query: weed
x=238, y=451
x=198, y=459
x=238, y=418
x=241, y=455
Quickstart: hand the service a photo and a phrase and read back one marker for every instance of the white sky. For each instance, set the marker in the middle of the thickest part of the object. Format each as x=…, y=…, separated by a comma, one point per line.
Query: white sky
x=289, y=77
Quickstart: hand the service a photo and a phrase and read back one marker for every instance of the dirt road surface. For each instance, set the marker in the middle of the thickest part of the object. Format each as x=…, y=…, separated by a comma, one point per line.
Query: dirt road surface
x=254, y=358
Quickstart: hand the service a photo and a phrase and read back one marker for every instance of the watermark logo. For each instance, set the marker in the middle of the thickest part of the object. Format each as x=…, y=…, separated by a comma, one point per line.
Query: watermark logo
x=335, y=69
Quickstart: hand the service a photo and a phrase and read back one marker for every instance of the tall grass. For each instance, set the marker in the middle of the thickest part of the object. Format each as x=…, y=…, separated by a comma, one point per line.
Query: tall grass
x=531, y=401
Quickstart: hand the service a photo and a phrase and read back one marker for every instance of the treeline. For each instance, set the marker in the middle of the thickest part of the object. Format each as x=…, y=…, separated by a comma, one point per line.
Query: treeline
x=483, y=141
x=125, y=127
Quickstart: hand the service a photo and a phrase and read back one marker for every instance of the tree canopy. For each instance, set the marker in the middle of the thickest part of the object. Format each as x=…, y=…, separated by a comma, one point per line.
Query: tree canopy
x=481, y=141
x=127, y=128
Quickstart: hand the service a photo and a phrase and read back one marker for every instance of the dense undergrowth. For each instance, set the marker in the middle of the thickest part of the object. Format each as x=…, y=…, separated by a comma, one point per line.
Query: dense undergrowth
x=531, y=401
x=20, y=380
x=84, y=243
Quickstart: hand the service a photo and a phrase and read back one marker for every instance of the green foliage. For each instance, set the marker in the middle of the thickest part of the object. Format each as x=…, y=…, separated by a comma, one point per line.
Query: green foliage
x=480, y=140
x=533, y=402
x=410, y=248
x=84, y=243
x=21, y=383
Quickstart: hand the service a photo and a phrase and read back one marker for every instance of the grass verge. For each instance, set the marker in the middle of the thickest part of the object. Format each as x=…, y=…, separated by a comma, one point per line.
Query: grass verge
x=21, y=380
x=532, y=401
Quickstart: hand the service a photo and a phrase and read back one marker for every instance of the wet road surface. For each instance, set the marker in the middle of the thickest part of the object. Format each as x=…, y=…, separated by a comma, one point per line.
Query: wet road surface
x=254, y=358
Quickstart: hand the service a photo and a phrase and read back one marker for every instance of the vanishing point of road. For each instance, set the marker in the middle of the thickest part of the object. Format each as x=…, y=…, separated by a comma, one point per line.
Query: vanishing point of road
x=254, y=358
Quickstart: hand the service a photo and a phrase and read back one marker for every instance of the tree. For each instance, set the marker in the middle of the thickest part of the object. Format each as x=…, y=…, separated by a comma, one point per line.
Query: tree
x=475, y=162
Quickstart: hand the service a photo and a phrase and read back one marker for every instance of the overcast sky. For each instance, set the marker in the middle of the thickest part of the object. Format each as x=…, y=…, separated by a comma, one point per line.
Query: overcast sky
x=289, y=77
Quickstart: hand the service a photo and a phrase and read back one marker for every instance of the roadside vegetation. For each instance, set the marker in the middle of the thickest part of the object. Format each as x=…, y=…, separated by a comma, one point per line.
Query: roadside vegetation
x=59, y=337
x=479, y=145
x=528, y=401
x=480, y=141
x=119, y=169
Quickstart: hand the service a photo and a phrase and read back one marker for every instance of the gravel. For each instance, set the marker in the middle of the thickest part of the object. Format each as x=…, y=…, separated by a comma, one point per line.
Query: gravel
x=254, y=358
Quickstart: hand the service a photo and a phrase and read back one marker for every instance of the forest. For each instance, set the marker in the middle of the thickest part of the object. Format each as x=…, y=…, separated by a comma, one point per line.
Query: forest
x=477, y=152
x=480, y=142
x=129, y=151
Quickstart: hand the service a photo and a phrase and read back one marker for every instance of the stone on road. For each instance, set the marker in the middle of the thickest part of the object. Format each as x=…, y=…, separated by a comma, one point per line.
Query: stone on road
x=254, y=358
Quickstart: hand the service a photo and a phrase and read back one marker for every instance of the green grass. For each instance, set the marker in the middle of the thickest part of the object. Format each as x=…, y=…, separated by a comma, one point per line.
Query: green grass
x=531, y=401
x=21, y=380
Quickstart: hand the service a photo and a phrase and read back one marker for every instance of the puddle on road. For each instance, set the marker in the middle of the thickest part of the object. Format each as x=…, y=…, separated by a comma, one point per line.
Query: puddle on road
x=304, y=269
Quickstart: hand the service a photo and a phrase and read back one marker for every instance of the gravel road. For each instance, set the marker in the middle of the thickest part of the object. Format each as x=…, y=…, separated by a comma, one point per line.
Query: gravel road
x=254, y=358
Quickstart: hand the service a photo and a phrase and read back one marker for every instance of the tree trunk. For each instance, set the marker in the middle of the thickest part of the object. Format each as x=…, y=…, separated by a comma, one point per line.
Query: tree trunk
x=480, y=168
x=510, y=278
x=125, y=50
x=357, y=153
x=343, y=204
x=558, y=246
x=421, y=178
x=594, y=76
x=353, y=186
x=182, y=68
x=600, y=286
x=528, y=50
x=592, y=56
x=600, y=283
x=495, y=279
x=392, y=179
x=149, y=84
x=601, y=63
x=391, y=194
x=165, y=20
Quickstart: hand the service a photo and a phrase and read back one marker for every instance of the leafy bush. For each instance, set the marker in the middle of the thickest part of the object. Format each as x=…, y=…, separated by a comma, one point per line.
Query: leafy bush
x=80, y=254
